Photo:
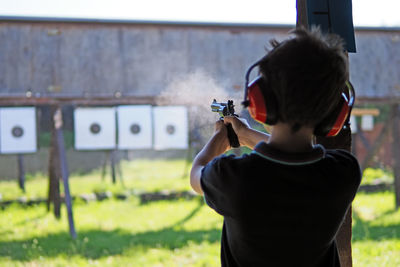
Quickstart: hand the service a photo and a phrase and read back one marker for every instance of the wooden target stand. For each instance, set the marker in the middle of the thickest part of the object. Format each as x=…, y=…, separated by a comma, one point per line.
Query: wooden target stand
x=21, y=172
x=58, y=167
x=389, y=131
x=115, y=167
x=372, y=149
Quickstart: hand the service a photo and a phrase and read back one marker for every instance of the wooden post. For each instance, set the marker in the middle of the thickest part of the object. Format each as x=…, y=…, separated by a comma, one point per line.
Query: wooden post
x=115, y=167
x=54, y=171
x=364, y=140
x=113, y=155
x=21, y=172
x=104, y=168
x=380, y=139
x=58, y=169
x=301, y=20
x=343, y=141
x=354, y=147
x=119, y=172
x=396, y=153
x=63, y=168
x=343, y=238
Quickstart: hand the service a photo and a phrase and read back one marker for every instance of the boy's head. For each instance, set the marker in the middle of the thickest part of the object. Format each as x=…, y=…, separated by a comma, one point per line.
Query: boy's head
x=306, y=74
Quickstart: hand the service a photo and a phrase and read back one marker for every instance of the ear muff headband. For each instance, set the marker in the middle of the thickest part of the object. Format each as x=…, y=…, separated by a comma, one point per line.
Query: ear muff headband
x=332, y=125
x=246, y=101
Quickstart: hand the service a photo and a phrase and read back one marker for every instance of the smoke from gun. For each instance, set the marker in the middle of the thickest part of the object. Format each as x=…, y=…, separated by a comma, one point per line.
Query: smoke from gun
x=196, y=91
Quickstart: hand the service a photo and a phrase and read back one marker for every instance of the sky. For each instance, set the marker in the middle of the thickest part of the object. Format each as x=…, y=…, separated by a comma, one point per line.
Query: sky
x=366, y=13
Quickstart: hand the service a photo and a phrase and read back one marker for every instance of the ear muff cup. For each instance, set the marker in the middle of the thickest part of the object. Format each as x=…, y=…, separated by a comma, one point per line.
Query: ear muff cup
x=333, y=124
x=263, y=107
x=262, y=104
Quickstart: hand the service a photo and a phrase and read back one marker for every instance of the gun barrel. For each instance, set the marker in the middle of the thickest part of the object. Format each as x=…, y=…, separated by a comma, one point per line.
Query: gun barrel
x=219, y=107
x=216, y=107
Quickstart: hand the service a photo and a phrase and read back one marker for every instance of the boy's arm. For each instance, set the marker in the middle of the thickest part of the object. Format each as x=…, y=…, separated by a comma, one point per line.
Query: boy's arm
x=219, y=143
x=216, y=146
x=246, y=135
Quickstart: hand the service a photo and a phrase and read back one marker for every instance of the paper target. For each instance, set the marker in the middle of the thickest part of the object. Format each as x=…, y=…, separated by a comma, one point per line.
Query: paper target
x=18, y=130
x=134, y=127
x=353, y=124
x=170, y=127
x=367, y=122
x=94, y=128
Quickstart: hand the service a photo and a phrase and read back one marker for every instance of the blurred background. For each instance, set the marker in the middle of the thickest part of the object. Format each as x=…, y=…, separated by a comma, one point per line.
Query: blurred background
x=103, y=106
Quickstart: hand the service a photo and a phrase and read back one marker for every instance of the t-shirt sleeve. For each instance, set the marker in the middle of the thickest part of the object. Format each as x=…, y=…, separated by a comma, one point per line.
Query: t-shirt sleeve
x=349, y=166
x=218, y=185
x=351, y=163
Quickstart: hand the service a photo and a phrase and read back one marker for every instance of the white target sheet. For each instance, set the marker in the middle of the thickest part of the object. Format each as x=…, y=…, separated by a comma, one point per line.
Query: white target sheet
x=170, y=127
x=95, y=128
x=18, y=130
x=135, y=127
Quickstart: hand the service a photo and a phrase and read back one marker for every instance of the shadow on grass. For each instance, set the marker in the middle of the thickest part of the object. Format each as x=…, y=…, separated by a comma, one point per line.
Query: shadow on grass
x=366, y=230
x=94, y=244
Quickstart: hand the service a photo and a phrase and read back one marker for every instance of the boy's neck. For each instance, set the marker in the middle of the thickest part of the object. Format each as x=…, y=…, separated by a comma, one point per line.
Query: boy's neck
x=285, y=140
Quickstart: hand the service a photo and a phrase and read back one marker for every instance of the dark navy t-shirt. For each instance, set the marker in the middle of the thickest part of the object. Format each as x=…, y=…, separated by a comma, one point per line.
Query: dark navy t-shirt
x=281, y=209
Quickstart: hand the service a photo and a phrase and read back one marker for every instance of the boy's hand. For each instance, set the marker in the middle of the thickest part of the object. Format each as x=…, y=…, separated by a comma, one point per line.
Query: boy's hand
x=221, y=134
x=220, y=127
x=246, y=135
x=239, y=125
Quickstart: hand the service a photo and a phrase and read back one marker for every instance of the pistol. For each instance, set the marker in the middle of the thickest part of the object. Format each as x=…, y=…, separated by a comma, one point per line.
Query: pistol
x=227, y=109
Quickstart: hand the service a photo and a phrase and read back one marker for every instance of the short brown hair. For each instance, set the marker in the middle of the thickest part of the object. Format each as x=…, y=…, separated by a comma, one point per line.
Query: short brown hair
x=307, y=74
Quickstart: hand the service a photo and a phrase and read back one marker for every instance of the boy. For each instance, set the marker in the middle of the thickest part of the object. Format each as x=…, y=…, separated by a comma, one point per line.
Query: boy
x=284, y=203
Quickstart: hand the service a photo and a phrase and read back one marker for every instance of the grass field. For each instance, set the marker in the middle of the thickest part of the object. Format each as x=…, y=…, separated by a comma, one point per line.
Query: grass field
x=160, y=233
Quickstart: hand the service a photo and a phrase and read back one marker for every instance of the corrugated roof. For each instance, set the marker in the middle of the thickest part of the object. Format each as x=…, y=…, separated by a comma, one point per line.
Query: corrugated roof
x=141, y=22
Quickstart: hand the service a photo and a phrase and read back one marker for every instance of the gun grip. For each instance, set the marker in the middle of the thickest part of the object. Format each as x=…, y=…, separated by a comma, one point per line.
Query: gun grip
x=233, y=138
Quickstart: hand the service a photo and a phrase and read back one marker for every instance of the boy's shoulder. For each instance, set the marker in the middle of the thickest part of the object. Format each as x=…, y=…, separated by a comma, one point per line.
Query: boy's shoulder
x=341, y=156
x=344, y=165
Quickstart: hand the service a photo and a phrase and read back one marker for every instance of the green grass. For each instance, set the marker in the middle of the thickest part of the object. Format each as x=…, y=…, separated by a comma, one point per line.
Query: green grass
x=139, y=175
x=374, y=176
x=162, y=233
x=376, y=230
x=117, y=233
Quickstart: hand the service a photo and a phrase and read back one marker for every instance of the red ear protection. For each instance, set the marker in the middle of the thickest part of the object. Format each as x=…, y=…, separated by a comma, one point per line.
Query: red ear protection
x=262, y=106
x=259, y=100
x=331, y=125
x=262, y=103
x=257, y=107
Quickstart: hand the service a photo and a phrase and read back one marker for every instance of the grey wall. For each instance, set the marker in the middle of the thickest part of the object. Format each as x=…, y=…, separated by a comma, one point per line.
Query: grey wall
x=375, y=68
x=58, y=58
x=73, y=59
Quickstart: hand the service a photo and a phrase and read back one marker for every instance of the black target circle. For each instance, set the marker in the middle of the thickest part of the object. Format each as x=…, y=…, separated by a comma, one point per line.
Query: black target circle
x=95, y=128
x=135, y=128
x=17, y=131
x=170, y=129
